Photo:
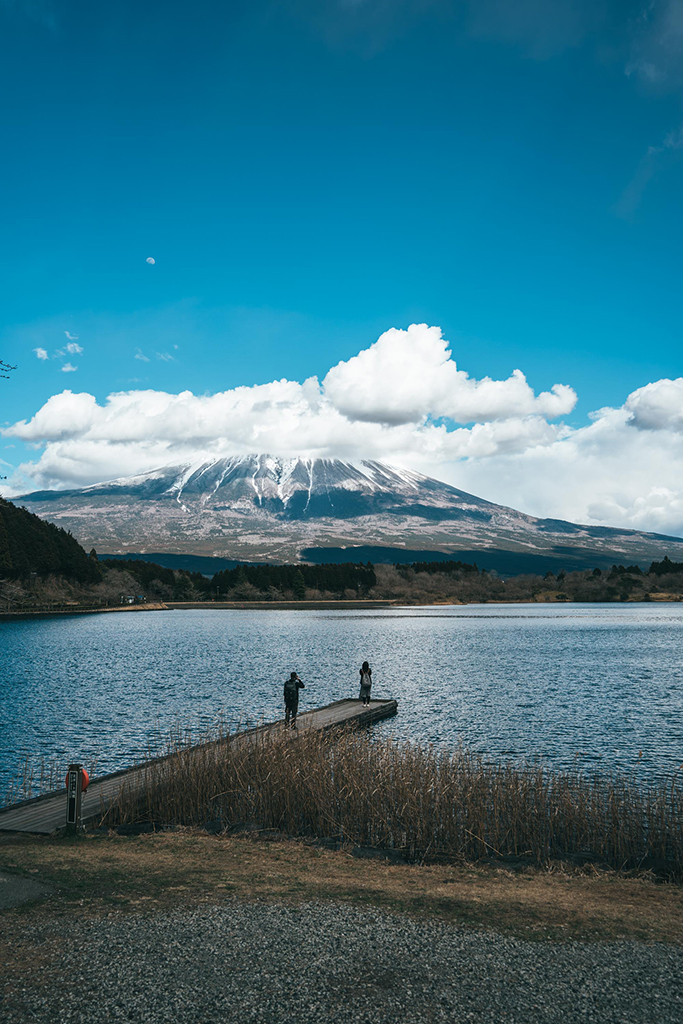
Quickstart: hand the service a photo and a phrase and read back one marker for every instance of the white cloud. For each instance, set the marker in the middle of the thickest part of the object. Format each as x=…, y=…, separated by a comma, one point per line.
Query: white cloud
x=165, y=357
x=139, y=354
x=657, y=44
x=74, y=349
x=407, y=374
x=399, y=400
x=657, y=406
x=68, y=368
x=41, y=353
x=71, y=337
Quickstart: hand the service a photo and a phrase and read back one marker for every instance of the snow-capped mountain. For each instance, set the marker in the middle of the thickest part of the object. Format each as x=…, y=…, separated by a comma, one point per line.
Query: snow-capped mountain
x=260, y=507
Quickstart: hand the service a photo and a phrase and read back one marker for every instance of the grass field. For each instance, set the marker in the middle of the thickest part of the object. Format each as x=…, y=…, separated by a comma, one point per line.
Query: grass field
x=105, y=874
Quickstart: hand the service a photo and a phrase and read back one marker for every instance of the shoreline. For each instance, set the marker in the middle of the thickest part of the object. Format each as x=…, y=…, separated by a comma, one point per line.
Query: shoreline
x=358, y=605
x=45, y=613
x=282, y=605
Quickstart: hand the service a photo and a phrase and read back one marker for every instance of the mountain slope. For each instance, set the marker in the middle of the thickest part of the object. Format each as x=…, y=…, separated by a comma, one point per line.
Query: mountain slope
x=260, y=507
x=30, y=545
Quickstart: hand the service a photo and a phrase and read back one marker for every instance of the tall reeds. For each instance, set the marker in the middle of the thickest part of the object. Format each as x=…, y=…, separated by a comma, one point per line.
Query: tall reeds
x=425, y=801
x=36, y=776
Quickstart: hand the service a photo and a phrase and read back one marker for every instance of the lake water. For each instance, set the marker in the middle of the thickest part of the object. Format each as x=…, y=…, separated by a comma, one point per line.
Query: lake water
x=599, y=686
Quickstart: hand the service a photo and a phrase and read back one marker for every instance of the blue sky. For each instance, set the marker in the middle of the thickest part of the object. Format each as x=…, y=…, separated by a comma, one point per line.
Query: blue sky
x=308, y=175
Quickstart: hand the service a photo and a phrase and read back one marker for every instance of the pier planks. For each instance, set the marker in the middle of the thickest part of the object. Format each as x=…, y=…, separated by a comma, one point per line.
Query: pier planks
x=46, y=814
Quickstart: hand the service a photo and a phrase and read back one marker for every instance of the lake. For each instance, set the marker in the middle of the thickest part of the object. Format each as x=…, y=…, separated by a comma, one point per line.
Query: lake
x=597, y=686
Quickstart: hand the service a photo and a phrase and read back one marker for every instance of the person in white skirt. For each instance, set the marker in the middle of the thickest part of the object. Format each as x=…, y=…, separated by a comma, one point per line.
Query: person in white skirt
x=365, y=683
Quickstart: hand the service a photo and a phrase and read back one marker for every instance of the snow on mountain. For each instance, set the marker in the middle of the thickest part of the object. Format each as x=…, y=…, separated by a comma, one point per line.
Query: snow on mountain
x=260, y=507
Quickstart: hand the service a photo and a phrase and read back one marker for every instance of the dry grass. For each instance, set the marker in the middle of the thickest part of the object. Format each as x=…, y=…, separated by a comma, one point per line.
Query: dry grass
x=110, y=874
x=32, y=778
x=429, y=803
x=35, y=776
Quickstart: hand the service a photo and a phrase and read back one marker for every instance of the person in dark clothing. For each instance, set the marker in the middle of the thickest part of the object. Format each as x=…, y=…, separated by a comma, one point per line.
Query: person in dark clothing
x=292, y=687
x=365, y=683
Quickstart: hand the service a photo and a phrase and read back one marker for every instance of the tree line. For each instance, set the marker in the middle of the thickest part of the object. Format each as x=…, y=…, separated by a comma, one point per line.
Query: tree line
x=332, y=578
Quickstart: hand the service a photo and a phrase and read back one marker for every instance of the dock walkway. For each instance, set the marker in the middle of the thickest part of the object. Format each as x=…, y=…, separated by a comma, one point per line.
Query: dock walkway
x=46, y=814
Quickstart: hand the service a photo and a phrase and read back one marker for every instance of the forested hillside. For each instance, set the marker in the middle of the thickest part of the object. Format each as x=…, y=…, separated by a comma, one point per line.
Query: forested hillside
x=43, y=566
x=31, y=545
x=443, y=582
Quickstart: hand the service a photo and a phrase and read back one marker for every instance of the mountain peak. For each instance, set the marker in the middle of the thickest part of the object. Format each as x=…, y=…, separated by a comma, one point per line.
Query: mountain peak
x=264, y=479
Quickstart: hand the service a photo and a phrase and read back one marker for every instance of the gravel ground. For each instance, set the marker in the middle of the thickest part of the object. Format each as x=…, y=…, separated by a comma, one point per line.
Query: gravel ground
x=321, y=962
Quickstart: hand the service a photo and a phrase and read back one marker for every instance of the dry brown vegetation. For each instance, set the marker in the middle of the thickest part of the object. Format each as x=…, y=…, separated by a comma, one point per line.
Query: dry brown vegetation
x=410, y=586
x=439, y=583
x=33, y=777
x=428, y=803
x=111, y=874
x=48, y=591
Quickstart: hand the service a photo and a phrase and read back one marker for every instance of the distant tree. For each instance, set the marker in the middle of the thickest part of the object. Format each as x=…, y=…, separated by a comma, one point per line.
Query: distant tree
x=274, y=580
x=449, y=566
x=665, y=567
x=182, y=587
x=299, y=585
x=148, y=575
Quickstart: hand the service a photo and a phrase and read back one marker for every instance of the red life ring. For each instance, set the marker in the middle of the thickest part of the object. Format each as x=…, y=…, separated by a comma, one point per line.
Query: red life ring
x=85, y=780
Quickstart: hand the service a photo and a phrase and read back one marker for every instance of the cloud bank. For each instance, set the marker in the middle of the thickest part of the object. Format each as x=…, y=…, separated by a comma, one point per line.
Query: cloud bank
x=402, y=400
x=614, y=472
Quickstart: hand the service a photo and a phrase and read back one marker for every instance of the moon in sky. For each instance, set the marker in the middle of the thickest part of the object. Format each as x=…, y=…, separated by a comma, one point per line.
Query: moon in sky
x=150, y=260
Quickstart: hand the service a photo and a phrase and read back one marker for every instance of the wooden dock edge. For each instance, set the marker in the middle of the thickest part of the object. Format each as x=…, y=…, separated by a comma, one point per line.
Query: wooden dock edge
x=387, y=709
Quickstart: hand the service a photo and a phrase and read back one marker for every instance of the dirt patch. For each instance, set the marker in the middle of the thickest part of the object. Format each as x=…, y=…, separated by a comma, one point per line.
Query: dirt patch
x=17, y=889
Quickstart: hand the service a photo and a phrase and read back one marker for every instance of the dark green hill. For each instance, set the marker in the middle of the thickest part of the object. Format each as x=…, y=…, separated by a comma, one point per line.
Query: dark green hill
x=29, y=544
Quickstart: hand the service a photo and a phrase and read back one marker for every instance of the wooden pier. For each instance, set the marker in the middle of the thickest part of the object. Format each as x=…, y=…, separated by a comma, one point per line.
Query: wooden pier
x=46, y=814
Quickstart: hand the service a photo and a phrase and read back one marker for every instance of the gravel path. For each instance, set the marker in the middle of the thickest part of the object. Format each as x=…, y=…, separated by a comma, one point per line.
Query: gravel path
x=321, y=962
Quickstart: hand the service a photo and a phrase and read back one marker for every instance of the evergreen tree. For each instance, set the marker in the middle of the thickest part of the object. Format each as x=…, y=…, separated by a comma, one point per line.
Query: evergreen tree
x=299, y=585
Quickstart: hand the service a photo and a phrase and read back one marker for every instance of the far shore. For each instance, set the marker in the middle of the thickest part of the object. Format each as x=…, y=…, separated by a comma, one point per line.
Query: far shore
x=46, y=613
x=283, y=605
